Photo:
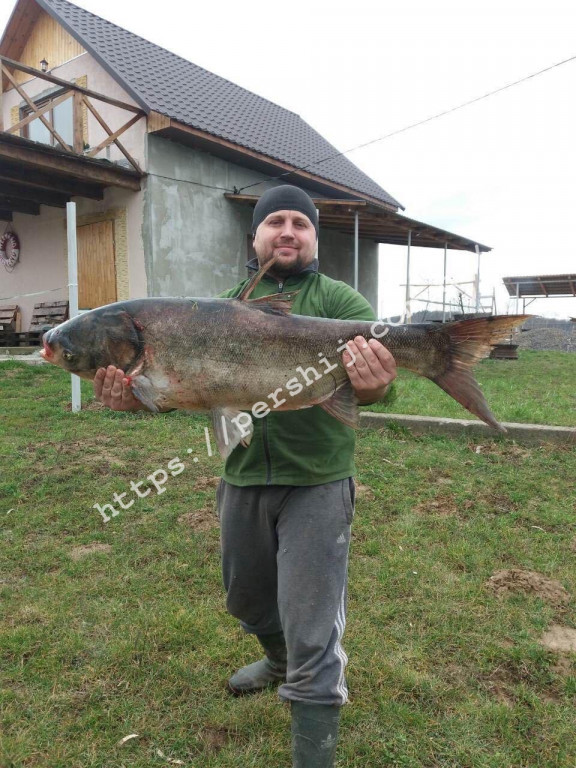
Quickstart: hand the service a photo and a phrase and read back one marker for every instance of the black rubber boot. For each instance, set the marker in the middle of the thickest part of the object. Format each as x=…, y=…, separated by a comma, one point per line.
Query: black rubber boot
x=314, y=735
x=269, y=670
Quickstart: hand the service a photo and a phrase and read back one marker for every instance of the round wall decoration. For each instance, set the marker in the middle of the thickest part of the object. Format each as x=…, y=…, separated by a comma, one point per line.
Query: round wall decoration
x=9, y=249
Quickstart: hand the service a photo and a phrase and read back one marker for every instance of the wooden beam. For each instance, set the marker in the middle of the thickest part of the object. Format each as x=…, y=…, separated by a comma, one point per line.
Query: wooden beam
x=19, y=206
x=42, y=196
x=37, y=112
x=77, y=124
x=113, y=136
x=34, y=179
x=156, y=122
x=66, y=84
x=109, y=132
x=72, y=166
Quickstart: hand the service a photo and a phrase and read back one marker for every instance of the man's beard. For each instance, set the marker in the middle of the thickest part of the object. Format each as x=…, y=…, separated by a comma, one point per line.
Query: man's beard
x=286, y=270
x=279, y=270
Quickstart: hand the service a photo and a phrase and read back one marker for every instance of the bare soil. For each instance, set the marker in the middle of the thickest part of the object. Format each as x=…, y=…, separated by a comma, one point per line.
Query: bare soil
x=200, y=519
x=515, y=580
x=559, y=638
x=78, y=553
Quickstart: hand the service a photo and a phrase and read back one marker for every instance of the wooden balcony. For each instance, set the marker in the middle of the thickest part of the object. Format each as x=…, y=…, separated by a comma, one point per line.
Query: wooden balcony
x=34, y=173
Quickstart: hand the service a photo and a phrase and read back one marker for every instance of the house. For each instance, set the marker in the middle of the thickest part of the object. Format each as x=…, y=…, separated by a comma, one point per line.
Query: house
x=164, y=160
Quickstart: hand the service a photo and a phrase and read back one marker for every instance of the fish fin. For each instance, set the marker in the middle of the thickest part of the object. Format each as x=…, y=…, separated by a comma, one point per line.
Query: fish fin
x=276, y=303
x=228, y=433
x=469, y=342
x=343, y=405
x=255, y=279
x=143, y=389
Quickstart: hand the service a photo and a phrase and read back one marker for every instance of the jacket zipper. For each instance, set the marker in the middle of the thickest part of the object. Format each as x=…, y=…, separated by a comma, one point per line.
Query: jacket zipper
x=265, y=429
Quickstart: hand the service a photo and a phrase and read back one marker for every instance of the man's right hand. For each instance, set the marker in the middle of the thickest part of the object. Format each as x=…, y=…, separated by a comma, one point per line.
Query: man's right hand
x=111, y=387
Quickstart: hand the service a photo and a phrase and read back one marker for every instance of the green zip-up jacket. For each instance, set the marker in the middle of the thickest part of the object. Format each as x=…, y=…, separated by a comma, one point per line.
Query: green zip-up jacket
x=308, y=446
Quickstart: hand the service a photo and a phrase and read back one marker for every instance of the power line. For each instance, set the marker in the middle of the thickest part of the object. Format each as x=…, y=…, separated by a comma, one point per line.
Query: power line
x=187, y=181
x=412, y=125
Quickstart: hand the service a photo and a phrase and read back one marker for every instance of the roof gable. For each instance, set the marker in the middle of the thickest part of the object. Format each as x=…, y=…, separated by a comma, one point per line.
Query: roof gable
x=163, y=82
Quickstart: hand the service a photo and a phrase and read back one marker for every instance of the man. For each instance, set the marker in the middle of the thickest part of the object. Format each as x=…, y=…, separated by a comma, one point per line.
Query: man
x=286, y=502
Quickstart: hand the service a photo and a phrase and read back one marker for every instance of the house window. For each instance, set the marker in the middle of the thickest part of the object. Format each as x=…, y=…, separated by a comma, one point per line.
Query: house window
x=60, y=117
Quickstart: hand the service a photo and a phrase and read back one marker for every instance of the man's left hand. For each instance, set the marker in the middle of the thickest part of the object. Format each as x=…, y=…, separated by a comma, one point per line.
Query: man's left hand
x=371, y=369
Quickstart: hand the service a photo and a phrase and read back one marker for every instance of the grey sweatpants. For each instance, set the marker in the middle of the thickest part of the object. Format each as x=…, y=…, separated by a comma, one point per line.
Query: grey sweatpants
x=285, y=563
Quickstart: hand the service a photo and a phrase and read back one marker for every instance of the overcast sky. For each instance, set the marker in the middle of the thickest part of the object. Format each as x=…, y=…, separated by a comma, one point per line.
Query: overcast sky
x=502, y=171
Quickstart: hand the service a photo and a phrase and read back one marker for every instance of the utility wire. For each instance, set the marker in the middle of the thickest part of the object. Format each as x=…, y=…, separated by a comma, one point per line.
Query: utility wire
x=186, y=181
x=412, y=125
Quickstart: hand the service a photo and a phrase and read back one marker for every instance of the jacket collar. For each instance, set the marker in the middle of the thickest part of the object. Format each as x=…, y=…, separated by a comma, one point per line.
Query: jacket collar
x=252, y=265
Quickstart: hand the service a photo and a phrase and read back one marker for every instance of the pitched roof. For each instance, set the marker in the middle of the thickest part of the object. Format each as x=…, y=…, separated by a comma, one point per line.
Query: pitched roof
x=163, y=82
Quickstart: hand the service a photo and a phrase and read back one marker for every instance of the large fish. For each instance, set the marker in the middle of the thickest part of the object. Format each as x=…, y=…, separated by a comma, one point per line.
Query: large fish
x=229, y=356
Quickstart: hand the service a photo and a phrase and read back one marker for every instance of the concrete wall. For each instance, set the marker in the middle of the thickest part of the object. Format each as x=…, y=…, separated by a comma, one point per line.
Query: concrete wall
x=336, y=254
x=195, y=240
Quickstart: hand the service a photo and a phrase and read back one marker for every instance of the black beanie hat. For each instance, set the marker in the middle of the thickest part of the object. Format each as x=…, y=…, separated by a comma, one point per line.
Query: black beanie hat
x=284, y=198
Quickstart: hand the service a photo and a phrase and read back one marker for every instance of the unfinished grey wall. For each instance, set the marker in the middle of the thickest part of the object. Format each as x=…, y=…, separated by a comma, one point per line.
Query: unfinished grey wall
x=195, y=241
x=336, y=254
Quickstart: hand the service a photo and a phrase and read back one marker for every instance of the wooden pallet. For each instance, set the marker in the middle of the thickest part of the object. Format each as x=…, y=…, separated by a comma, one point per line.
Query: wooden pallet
x=9, y=324
x=504, y=352
x=45, y=315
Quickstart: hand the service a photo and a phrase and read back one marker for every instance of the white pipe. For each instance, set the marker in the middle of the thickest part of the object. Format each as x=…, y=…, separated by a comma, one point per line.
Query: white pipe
x=444, y=285
x=407, y=308
x=478, y=278
x=73, y=290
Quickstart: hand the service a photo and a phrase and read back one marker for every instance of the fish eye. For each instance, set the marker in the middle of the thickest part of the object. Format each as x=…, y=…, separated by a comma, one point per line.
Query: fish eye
x=67, y=355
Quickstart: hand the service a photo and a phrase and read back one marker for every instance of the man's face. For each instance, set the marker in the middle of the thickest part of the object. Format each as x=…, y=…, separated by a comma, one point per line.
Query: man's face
x=289, y=234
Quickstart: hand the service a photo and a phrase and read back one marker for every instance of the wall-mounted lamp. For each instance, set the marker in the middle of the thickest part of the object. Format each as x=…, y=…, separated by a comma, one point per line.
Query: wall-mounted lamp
x=44, y=65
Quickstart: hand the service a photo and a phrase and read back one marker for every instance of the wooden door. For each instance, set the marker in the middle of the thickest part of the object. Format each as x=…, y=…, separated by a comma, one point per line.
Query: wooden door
x=96, y=265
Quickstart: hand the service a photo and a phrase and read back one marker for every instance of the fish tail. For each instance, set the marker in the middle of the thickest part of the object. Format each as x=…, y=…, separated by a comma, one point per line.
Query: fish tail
x=468, y=342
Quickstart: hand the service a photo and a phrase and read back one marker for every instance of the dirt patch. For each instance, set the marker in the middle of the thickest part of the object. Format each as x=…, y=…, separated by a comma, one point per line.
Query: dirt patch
x=444, y=505
x=216, y=737
x=498, y=503
x=93, y=405
x=78, y=553
x=559, y=638
x=91, y=453
x=205, y=483
x=364, y=492
x=515, y=580
x=200, y=519
x=565, y=666
x=513, y=453
x=573, y=544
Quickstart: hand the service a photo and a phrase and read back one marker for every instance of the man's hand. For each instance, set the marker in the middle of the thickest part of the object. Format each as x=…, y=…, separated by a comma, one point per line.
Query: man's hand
x=111, y=388
x=371, y=369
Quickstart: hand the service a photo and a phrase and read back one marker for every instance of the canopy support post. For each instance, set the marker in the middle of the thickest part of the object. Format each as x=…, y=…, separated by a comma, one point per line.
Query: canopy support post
x=356, y=250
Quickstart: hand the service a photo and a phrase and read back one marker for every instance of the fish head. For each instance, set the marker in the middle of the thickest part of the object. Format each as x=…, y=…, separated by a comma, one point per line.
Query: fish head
x=93, y=340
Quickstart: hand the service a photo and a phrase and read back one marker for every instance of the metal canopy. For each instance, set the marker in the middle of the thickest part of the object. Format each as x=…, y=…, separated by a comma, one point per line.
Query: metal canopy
x=379, y=224
x=541, y=286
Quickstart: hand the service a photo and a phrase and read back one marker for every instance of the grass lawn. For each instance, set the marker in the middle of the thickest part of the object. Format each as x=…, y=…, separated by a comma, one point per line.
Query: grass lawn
x=538, y=388
x=117, y=628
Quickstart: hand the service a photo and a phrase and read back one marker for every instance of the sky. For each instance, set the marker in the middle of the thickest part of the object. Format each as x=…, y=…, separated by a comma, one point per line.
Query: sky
x=502, y=171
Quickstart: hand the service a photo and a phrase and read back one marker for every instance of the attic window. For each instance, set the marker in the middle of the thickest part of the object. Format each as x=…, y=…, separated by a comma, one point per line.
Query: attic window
x=60, y=117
